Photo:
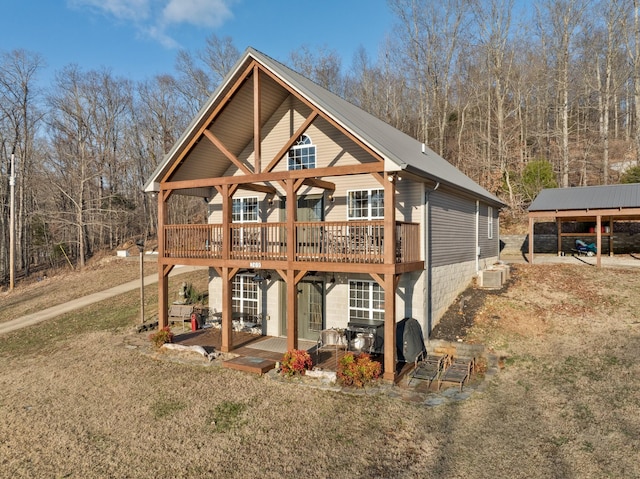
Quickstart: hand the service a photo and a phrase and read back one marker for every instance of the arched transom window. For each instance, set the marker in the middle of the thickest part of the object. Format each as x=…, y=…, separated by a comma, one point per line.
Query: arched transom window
x=302, y=155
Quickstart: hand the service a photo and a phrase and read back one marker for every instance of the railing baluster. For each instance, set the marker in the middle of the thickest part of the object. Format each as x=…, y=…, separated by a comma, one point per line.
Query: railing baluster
x=337, y=241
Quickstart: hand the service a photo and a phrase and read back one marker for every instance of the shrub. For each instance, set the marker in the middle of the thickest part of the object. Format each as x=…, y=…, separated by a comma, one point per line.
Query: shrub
x=161, y=336
x=295, y=362
x=631, y=175
x=537, y=175
x=358, y=370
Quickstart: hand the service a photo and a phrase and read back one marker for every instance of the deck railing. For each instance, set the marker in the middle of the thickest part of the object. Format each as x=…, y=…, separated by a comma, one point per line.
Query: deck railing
x=338, y=241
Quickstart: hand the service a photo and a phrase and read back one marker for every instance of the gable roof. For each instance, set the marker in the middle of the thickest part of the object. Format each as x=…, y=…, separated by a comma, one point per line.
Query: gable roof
x=587, y=198
x=404, y=152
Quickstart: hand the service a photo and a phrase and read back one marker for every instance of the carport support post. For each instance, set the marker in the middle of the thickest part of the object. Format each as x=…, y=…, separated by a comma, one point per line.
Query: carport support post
x=142, y=285
x=599, y=240
x=531, y=222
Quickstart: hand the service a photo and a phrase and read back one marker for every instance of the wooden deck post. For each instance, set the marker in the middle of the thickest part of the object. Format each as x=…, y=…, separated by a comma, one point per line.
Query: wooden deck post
x=227, y=329
x=227, y=278
x=292, y=310
x=390, y=279
x=292, y=285
x=389, y=327
x=163, y=295
x=163, y=270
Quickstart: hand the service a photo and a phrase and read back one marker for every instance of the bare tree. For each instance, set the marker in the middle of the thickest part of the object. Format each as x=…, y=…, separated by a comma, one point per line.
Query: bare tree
x=219, y=55
x=323, y=67
x=605, y=59
x=558, y=22
x=632, y=34
x=431, y=33
x=20, y=117
x=494, y=26
x=381, y=90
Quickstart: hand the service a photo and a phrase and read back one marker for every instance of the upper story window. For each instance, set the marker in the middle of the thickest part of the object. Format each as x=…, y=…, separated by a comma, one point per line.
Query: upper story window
x=245, y=210
x=365, y=204
x=302, y=155
x=490, y=222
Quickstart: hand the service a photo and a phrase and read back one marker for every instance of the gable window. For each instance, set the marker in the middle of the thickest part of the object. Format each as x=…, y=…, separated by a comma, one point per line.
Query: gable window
x=365, y=204
x=245, y=210
x=366, y=300
x=302, y=155
x=244, y=295
x=490, y=222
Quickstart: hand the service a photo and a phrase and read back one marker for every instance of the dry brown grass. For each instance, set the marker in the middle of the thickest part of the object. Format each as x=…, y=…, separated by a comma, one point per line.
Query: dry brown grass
x=57, y=286
x=566, y=404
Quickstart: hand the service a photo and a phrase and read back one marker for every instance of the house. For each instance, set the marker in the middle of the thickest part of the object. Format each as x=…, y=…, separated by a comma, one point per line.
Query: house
x=320, y=215
x=587, y=213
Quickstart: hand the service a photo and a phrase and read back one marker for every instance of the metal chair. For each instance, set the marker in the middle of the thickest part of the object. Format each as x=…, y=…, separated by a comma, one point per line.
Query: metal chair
x=330, y=340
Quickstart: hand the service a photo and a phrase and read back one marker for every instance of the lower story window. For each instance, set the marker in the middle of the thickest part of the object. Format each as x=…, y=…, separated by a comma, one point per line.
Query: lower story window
x=366, y=300
x=244, y=295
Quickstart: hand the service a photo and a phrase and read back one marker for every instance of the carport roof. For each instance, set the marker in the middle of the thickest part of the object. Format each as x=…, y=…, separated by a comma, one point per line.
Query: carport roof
x=594, y=203
x=588, y=198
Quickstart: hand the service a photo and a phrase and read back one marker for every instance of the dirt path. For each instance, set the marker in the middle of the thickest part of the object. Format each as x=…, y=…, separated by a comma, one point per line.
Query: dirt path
x=54, y=311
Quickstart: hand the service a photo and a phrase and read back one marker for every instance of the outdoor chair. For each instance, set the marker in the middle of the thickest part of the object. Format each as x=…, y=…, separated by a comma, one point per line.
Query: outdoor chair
x=459, y=371
x=330, y=340
x=429, y=368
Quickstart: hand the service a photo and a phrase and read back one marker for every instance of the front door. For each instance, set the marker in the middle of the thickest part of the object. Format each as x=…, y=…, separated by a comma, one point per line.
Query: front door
x=311, y=298
x=310, y=208
x=310, y=309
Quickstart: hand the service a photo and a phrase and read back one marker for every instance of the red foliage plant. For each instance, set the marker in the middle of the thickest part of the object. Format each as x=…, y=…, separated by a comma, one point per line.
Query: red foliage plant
x=358, y=370
x=161, y=336
x=295, y=362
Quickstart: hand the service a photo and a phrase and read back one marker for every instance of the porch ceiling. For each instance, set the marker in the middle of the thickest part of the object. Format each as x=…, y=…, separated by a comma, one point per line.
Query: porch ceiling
x=233, y=127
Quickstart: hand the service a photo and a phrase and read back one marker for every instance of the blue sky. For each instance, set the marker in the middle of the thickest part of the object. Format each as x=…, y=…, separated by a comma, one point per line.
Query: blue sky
x=138, y=39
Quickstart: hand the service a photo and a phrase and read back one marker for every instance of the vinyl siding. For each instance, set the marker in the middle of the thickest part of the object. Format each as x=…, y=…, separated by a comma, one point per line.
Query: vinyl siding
x=488, y=247
x=332, y=146
x=453, y=228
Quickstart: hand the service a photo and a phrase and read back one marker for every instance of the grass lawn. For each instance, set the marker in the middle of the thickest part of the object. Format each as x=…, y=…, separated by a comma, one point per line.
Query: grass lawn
x=84, y=397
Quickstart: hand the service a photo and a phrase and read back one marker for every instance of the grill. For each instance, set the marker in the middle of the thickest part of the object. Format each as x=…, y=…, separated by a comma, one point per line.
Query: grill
x=366, y=335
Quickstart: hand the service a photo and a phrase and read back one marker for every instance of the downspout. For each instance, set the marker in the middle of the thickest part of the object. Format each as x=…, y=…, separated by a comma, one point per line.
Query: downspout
x=477, y=236
x=426, y=288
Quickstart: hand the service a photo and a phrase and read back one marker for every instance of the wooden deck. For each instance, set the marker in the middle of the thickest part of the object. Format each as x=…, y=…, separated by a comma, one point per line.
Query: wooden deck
x=211, y=340
x=345, y=242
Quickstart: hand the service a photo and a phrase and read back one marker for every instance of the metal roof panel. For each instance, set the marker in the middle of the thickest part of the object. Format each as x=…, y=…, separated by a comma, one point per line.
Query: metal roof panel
x=587, y=197
x=389, y=142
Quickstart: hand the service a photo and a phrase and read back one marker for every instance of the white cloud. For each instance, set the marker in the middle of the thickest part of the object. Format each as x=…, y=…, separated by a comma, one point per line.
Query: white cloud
x=152, y=18
x=160, y=36
x=206, y=13
x=137, y=10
